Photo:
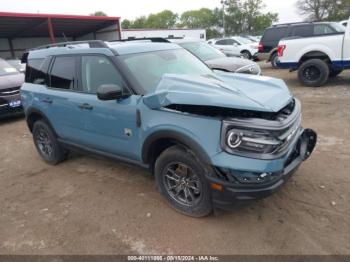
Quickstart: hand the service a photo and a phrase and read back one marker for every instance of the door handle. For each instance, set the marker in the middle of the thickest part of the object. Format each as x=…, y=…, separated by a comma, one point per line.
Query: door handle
x=86, y=106
x=47, y=100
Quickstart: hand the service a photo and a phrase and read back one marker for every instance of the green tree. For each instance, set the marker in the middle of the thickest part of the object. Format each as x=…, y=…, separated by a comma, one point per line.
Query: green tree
x=126, y=24
x=164, y=19
x=246, y=16
x=202, y=18
x=139, y=23
x=320, y=10
x=99, y=13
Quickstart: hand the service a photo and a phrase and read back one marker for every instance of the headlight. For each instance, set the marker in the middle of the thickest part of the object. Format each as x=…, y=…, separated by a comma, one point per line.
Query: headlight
x=252, y=141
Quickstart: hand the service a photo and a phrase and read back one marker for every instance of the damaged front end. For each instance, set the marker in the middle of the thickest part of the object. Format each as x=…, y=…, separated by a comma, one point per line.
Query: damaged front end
x=262, y=141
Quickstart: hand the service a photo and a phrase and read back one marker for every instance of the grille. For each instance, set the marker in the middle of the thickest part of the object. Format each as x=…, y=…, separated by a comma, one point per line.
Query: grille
x=9, y=91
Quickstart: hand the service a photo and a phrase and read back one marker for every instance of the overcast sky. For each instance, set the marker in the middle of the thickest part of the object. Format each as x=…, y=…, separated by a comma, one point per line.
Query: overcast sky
x=132, y=8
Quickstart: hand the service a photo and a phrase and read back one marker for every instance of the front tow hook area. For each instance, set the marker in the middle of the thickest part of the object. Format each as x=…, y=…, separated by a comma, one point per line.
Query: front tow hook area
x=307, y=143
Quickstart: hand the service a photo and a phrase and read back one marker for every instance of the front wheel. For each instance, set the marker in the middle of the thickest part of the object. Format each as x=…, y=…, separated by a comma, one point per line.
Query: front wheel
x=313, y=72
x=274, y=60
x=181, y=180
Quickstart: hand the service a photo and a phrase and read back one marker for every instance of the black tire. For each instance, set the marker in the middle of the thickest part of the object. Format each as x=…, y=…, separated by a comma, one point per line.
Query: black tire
x=313, y=72
x=334, y=73
x=46, y=143
x=246, y=54
x=187, y=182
x=273, y=60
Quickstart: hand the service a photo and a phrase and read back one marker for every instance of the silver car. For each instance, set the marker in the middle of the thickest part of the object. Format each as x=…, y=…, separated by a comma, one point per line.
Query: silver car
x=217, y=60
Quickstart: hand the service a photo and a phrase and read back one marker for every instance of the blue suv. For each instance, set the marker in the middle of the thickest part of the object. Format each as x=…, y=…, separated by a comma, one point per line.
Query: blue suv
x=210, y=138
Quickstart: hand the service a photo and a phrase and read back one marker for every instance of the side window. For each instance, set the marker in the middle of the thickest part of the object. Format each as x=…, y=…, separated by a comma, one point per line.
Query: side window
x=63, y=72
x=303, y=30
x=221, y=42
x=235, y=42
x=323, y=29
x=34, y=71
x=230, y=41
x=97, y=71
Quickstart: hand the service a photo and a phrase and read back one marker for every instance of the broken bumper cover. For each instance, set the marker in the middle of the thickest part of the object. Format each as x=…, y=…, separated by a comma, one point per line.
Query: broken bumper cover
x=244, y=185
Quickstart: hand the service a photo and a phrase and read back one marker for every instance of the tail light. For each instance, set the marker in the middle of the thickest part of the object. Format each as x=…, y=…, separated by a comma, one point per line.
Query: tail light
x=280, y=50
x=261, y=47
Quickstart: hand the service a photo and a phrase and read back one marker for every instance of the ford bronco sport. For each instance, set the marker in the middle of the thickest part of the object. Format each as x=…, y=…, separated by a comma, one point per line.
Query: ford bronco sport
x=210, y=138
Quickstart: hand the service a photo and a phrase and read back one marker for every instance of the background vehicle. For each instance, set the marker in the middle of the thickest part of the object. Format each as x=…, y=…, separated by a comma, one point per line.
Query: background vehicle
x=325, y=54
x=16, y=63
x=272, y=36
x=210, y=138
x=236, y=46
x=10, y=84
x=215, y=59
x=252, y=38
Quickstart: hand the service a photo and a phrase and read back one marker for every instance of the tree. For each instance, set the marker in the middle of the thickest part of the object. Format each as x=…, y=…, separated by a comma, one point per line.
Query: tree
x=245, y=16
x=139, y=23
x=99, y=13
x=126, y=24
x=320, y=10
x=164, y=19
x=202, y=18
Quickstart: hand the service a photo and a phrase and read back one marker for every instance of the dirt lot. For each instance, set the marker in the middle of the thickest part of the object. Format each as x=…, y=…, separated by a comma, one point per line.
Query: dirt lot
x=88, y=205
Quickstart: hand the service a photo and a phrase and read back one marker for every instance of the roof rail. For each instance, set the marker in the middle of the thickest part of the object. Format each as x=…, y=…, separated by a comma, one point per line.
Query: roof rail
x=152, y=39
x=92, y=44
x=295, y=23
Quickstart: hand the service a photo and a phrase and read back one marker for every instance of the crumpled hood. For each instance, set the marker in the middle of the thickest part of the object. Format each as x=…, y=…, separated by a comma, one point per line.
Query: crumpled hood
x=237, y=91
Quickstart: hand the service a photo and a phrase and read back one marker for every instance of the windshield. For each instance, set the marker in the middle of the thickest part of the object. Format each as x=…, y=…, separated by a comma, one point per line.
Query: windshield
x=243, y=40
x=7, y=69
x=203, y=51
x=338, y=27
x=148, y=68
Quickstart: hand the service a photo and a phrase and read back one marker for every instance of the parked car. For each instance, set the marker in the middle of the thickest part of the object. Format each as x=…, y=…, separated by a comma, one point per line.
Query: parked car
x=10, y=84
x=344, y=23
x=255, y=39
x=236, y=46
x=323, y=55
x=269, y=42
x=16, y=63
x=210, y=138
x=217, y=60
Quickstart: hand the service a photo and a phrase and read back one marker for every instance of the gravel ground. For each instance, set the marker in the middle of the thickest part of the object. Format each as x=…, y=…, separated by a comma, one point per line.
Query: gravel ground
x=89, y=205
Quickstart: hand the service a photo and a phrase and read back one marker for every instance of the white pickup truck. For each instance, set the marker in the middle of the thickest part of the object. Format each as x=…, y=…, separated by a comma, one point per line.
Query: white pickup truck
x=318, y=57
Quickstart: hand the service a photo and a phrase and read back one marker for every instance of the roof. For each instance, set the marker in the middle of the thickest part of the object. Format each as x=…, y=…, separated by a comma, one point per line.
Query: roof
x=115, y=48
x=14, y=25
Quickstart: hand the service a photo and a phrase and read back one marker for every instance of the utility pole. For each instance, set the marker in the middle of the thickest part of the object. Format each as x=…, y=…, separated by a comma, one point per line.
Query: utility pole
x=224, y=3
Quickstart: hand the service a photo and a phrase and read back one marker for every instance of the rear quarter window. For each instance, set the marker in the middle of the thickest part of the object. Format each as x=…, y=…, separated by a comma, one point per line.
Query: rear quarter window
x=274, y=34
x=34, y=71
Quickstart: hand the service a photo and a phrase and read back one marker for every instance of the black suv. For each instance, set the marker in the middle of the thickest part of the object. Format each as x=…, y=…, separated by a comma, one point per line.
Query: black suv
x=272, y=35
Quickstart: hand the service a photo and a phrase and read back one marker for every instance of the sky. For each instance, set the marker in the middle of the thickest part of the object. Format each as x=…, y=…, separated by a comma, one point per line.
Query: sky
x=129, y=9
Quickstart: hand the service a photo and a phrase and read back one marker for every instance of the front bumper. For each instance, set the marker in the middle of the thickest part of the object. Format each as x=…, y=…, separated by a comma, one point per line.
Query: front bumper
x=233, y=191
x=10, y=106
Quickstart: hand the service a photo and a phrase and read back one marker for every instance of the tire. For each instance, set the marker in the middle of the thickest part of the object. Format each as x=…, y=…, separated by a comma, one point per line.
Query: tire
x=313, y=73
x=46, y=143
x=273, y=60
x=180, y=179
x=334, y=73
x=246, y=54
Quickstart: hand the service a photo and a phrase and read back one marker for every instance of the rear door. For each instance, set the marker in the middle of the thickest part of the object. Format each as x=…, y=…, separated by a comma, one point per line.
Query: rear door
x=228, y=46
x=272, y=36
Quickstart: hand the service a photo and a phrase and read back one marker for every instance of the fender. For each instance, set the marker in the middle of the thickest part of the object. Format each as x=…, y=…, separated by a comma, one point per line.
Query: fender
x=31, y=111
x=178, y=137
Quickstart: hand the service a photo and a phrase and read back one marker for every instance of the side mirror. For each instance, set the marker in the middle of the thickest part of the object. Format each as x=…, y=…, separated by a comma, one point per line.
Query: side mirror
x=109, y=92
x=235, y=44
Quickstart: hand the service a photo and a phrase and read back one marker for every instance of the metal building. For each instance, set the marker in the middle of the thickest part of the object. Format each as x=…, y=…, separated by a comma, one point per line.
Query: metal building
x=21, y=31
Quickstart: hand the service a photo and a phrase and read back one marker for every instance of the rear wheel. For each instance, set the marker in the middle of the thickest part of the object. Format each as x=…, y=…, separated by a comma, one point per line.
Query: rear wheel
x=334, y=73
x=274, y=59
x=313, y=72
x=246, y=54
x=46, y=143
x=181, y=180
